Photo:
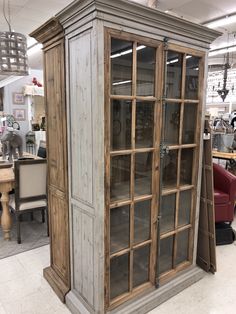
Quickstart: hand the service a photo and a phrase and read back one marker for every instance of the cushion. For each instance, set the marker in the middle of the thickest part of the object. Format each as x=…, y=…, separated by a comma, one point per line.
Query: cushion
x=27, y=205
x=220, y=197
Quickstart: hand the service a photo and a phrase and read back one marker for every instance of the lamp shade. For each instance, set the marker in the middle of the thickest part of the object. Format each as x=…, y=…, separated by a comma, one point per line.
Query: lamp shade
x=13, y=54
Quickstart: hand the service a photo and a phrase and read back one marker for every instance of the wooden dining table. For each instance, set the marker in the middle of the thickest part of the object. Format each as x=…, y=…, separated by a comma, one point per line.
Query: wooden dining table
x=7, y=181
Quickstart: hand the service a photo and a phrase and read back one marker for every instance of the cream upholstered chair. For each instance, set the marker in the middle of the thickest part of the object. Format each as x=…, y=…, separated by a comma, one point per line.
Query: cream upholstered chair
x=30, y=189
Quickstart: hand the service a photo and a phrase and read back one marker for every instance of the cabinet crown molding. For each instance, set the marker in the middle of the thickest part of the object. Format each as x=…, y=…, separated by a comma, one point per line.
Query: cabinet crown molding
x=47, y=31
x=131, y=12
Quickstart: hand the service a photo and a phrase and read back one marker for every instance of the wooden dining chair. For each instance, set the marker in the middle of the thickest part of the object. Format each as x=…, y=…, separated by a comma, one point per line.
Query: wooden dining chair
x=30, y=190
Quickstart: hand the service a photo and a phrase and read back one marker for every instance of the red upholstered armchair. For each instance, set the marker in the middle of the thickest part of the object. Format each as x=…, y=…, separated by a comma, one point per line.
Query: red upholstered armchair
x=224, y=194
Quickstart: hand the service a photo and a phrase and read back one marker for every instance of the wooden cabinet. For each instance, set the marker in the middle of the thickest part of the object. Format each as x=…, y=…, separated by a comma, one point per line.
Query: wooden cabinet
x=135, y=80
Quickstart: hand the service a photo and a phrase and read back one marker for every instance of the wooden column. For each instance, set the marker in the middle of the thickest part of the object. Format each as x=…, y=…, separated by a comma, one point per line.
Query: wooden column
x=58, y=273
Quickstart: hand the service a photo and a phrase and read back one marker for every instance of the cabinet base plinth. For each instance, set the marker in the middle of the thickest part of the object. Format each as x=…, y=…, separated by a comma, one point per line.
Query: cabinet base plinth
x=56, y=283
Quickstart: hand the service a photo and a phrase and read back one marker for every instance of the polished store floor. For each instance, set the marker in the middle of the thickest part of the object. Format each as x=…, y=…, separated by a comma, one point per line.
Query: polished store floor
x=23, y=290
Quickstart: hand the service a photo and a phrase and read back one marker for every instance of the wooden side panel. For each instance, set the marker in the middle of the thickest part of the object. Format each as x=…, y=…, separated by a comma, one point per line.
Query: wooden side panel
x=85, y=107
x=58, y=210
x=206, y=249
x=81, y=118
x=57, y=166
x=83, y=227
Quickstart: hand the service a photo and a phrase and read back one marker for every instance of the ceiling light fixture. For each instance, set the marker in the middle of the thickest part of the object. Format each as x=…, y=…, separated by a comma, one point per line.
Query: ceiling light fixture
x=222, y=21
x=13, y=49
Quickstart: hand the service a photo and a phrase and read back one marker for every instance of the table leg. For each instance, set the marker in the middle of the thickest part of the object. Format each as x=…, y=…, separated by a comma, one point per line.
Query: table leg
x=6, y=218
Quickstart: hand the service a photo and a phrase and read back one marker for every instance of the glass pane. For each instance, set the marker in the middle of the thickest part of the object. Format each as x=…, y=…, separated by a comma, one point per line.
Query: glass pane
x=182, y=247
x=119, y=228
x=143, y=173
x=146, y=58
x=185, y=200
x=167, y=222
x=119, y=275
x=192, y=77
x=120, y=177
x=174, y=74
x=169, y=176
x=189, y=123
x=144, y=124
x=121, y=111
x=141, y=266
x=171, y=124
x=186, y=166
x=121, y=67
x=166, y=252
x=142, y=212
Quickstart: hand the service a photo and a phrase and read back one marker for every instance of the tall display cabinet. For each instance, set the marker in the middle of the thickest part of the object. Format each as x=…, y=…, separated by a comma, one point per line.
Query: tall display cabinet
x=135, y=84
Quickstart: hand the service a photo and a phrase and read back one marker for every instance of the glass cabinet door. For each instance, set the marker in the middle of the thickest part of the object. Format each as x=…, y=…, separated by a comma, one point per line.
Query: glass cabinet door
x=149, y=213
x=181, y=105
x=131, y=110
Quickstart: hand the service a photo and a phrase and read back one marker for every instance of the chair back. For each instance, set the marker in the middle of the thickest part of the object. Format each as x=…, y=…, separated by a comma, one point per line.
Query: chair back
x=30, y=180
x=42, y=152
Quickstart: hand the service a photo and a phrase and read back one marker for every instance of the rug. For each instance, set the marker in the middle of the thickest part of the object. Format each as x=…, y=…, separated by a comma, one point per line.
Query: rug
x=33, y=235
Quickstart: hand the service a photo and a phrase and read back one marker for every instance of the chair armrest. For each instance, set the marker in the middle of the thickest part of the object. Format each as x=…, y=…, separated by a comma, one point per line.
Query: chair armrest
x=224, y=181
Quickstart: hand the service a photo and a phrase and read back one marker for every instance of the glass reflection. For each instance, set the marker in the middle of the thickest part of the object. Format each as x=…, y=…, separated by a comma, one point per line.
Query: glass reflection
x=121, y=67
x=171, y=123
x=121, y=124
x=192, y=77
x=120, y=177
x=169, y=176
x=166, y=252
x=143, y=173
x=146, y=58
x=144, y=124
x=141, y=266
x=119, y=228
x=185, y=200
x=182, y=247
x=167, y=222
x=189, y=123
x=119, y=275
x=186, y=166
x=142, y=221
x=174, y=74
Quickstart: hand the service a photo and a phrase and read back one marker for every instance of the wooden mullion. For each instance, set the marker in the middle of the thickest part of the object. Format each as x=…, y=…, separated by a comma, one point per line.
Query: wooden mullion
x=141, y=244
x=170, y=233
x=134, y=81
x=107, y=166
x=181, y=188
x=121, y=203
x=130, y=151
x=142, y=198
x=120, y=253
x=191, y=101
x=146, y=98
x=122, y=97
x=175, y=147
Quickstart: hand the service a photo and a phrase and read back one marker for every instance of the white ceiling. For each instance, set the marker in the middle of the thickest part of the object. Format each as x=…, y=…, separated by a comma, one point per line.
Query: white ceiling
x=27, y=15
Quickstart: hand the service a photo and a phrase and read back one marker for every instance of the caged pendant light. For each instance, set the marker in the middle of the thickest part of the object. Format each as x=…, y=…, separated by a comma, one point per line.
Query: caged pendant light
x=13, y=50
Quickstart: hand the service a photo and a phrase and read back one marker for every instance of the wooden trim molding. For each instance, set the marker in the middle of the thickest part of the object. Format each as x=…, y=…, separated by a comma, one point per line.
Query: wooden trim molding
x=47, y=31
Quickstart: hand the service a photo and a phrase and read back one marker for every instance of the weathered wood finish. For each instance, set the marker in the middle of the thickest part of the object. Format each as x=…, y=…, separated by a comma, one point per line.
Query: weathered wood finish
x=87, y=66
x=86, y=165
x=58, y=274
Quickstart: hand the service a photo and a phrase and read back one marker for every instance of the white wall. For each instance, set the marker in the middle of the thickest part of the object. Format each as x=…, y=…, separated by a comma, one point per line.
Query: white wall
x=17, y=86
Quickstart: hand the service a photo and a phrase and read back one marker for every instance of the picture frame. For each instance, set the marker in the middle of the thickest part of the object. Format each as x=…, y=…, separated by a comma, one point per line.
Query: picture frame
x=18, y=98
x=19, y=114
